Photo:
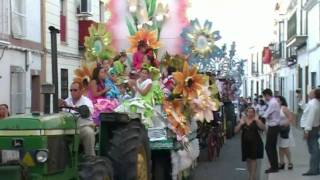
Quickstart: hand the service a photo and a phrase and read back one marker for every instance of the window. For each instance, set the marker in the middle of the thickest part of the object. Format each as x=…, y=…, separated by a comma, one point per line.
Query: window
x=18, y=90
x=85, y=6
x=63, y=20
x=64, y=83
x=102, y=11
x=292, y=26
x=18, y=18
x=4, y=20
x=313, y=79
x=300, y=78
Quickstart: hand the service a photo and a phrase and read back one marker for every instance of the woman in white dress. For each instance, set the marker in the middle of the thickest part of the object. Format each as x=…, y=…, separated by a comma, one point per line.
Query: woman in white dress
x=286, y=140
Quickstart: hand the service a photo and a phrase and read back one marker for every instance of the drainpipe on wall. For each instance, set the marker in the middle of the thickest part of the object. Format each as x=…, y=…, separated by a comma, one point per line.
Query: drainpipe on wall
x=43, y=48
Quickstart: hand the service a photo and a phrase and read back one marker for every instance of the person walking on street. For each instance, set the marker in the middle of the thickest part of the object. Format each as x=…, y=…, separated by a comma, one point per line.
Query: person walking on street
x=286, y=139
x=311, y=125
x=272, y=116
x=251, y=142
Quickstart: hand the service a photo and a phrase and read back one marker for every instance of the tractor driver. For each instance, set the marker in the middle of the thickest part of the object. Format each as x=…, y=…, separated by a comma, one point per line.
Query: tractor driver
x=86, y=126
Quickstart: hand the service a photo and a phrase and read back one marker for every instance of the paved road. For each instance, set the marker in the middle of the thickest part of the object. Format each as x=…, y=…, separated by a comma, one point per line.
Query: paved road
x=227, y=167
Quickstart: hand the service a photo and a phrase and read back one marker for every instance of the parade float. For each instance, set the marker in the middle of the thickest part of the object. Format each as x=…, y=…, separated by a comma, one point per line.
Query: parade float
x=171, y=119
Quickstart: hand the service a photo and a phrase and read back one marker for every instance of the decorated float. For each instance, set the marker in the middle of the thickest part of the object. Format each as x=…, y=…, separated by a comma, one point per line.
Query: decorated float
x=182, y=92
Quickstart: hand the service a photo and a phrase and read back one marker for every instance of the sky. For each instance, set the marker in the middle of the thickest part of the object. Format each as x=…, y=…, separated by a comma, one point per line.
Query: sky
x=247, y=22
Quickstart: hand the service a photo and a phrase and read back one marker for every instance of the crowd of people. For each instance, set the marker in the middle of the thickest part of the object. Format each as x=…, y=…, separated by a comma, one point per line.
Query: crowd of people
x=271, y=114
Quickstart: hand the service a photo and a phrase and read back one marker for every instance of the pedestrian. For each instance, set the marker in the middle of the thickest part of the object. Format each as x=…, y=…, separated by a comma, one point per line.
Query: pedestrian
x=251, y=142
x=300, y=104
x=272, y=116
x=286, y=139
x=4, y=111
x=311, y=123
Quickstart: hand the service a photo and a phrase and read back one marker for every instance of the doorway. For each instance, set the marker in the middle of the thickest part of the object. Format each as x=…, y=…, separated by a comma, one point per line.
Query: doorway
x=35, y=93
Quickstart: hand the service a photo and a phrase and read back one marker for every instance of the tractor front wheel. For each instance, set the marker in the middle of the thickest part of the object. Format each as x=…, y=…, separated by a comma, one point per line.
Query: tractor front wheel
x=96, y=168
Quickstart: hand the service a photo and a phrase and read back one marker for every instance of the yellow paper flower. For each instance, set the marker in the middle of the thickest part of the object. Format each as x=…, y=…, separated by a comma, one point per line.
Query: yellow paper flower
x=203, y=106
x=188, y=82
x=150, y=37
x=98, y=43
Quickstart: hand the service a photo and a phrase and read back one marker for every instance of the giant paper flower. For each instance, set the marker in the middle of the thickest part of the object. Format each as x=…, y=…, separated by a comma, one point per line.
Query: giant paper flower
x=84, y=73
x=176, y=118
x=150, y=37
x=200, y=41
x=98, y=43
x=203, y=106
x=188, y=82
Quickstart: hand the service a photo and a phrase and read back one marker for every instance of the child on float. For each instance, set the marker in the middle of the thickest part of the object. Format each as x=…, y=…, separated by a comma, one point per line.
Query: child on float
x=139, y=56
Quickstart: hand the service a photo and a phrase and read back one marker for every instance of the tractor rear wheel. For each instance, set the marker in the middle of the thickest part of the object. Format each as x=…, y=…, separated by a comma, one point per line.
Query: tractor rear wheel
x=130, y=152
x=96, y=168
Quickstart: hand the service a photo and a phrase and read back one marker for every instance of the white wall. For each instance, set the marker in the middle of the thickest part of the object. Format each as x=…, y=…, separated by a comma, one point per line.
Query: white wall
x=17, y=58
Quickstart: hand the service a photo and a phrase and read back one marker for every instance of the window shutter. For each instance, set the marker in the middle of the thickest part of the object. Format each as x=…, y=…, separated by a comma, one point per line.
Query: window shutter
x=18, y=18
x=4, y=19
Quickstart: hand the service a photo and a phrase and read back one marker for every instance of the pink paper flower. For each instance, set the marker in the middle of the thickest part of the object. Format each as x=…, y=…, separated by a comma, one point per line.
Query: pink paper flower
x=103, y=106
x=203, y=106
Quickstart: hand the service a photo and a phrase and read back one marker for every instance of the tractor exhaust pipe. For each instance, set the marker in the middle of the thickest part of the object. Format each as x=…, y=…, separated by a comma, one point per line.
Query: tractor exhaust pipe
x=54, y=58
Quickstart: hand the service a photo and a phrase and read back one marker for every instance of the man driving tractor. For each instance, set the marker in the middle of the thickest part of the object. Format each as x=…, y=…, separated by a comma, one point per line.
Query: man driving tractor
x=86, y=125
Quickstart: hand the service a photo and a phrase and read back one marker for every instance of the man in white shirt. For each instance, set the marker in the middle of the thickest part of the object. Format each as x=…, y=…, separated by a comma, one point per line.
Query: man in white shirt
x=310, y=121
x=86, y=126
x=272, y=116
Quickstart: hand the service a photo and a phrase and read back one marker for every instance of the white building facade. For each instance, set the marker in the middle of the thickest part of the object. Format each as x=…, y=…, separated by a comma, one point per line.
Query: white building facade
x=296, y=52
x=20, y=54
x=257, y=74
x=67, y=15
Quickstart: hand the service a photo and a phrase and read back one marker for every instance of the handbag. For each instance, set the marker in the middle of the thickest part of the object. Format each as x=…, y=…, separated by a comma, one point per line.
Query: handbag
x=284, y=132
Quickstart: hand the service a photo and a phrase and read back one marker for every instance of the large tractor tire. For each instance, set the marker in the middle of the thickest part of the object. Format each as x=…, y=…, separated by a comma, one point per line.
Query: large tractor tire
x=96, y=168
x=130, y=152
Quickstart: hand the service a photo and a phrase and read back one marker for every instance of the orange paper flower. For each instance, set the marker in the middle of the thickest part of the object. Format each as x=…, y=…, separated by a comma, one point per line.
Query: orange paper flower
x=188, y=82
x=83, y=73
x=150, y=37
x=176, y=118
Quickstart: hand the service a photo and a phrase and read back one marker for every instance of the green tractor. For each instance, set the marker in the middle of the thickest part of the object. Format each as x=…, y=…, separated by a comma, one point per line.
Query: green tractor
x=47, y=147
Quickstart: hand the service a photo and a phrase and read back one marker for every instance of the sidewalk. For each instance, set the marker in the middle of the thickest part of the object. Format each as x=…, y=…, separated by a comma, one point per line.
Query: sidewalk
x=300, y=158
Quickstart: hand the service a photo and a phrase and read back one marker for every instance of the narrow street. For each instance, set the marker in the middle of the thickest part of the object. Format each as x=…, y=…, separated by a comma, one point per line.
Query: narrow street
x=227, y=167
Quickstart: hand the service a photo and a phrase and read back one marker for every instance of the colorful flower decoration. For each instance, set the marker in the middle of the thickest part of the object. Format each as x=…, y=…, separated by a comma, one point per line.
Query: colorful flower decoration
x=203, y=106
x=177, y=61
x=161, y=13
x=150, y=37
x=84, y=73
x=176, y=118
x=188, y=82
x=97, y=44
x=200, y=41
x=103, y=105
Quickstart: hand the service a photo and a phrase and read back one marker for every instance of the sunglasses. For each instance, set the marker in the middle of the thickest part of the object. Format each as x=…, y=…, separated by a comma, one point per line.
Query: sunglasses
x=75, y=90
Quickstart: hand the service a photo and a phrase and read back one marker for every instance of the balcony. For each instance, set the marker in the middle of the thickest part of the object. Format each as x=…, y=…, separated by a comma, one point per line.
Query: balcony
x=297, y=41
x=84, y=31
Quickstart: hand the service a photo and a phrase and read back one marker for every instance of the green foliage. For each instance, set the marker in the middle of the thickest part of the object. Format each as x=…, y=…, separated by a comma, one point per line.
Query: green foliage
x=132, y=29
x=152, y=7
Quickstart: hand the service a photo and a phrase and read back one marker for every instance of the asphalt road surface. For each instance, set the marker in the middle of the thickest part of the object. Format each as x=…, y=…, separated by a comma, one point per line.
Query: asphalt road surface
x=226, y=167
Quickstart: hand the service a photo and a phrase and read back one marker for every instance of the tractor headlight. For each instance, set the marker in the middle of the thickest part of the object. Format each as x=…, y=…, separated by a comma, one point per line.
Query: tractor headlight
x=42, y=156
